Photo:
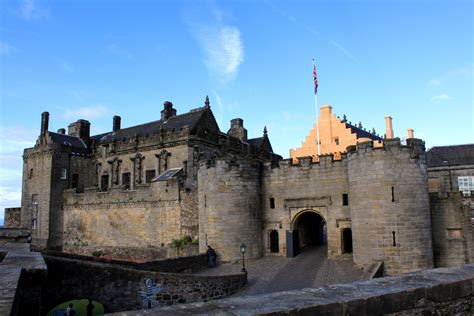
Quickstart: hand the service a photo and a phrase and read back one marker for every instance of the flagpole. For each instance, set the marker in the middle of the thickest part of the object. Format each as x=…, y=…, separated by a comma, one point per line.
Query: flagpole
x=317, y=116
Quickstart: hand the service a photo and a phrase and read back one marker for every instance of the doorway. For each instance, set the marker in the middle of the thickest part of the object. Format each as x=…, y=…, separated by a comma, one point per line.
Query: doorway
x=274, y=241
x=346, y=240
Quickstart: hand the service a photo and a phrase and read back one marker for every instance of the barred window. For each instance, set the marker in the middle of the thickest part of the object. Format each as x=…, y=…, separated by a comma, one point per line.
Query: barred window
x=63, y=175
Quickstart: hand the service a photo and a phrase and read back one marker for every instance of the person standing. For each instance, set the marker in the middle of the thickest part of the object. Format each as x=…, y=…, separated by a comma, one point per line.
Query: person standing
x=90, y=308
x=211, y=256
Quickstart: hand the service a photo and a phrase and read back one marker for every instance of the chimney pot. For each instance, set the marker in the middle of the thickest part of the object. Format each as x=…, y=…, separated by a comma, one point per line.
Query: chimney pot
x=388, y=127
x=116, y=123
x=410, y=133
x=44, y=122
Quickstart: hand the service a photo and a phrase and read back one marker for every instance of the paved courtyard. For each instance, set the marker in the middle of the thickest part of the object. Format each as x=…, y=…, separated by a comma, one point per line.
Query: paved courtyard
x=311, y=268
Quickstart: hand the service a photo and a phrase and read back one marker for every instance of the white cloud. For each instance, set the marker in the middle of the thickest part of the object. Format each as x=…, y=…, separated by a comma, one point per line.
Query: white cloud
x=440, y=98
x=15, y=139
x=223, y=50
x=6, y=49
x=434, y=82
x=86, y=112
x=118, y=51
x=31, y=10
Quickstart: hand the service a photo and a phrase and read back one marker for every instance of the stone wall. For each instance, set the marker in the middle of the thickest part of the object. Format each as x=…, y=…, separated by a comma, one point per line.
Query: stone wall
x=431, y=292
x=229, y=208
x=452, y=216
x=118, y=288
x=13, y=217
x=138, y=223
x=186, y=264
x=390, y=209
x=305, y=187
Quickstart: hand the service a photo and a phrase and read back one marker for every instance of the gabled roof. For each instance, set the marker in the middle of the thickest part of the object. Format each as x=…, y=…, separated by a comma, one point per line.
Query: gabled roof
x=450, y=155
x=67, y=140
x=176, y=122
x=361, y=133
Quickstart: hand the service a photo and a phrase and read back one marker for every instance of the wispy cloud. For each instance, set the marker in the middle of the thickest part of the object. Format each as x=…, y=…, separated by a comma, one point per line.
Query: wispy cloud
x=66, y=66
x=86, y=112
x=434, y=82
x=6, y=49
x=118, y=51
x=440, y=98
x=15, y=139
x=221, y=44
x=342, y=49
x=31, y=10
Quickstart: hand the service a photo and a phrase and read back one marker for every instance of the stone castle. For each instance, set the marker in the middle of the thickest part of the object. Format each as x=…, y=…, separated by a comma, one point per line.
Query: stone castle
x=133, y=190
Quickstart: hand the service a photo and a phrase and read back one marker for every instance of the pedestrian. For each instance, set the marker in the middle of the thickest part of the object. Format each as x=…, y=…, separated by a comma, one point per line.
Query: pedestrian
x=211, y=256
x=90, y=308
x=70, y=311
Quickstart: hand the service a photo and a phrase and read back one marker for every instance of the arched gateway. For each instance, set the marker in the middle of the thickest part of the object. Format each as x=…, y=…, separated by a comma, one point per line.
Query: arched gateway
x=309, y=230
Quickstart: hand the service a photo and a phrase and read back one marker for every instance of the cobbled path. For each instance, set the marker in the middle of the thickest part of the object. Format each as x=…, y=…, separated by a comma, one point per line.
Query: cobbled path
x=311, y=268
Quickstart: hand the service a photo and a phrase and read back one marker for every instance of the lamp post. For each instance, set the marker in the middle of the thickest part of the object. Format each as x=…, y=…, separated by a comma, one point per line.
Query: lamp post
x=242, y=250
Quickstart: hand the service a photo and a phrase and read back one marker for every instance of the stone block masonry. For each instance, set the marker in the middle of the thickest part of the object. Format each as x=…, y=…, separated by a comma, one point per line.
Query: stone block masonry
x=445, y=291
x=13, y=217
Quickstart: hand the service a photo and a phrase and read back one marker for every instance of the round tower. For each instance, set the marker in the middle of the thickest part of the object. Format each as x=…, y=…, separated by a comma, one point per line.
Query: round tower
x=390, y=206
x=229, y=208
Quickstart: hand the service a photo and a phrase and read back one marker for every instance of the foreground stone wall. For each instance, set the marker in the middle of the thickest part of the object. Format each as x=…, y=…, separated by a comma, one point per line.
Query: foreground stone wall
x=118, y=288
x=445, y=291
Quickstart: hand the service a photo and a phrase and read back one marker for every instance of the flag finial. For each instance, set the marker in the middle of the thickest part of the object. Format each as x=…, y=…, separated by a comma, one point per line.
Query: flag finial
x=207, y=103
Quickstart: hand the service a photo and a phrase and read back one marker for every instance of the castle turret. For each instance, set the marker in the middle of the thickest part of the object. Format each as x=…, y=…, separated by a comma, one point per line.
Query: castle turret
x=230, y=209
x=390, y=206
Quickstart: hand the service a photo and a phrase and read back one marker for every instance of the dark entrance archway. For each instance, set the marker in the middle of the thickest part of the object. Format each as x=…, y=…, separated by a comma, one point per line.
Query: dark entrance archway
x=274, y=241
x=347, y=240
x=311, y=230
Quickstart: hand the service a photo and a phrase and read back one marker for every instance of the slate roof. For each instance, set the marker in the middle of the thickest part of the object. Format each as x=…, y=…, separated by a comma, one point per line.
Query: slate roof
x=67, y=140
x=454, y=155
x=257, y=142
x=176, y=122
x=361, y=133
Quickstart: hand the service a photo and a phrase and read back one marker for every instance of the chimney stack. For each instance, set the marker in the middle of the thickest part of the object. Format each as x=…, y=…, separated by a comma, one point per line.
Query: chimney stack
x=81, y=129
x=44, y=123
x=62, y=131
x=388, y=127
x=168, y=111
x=410, y=133
x=237, y=129
x=116, y=123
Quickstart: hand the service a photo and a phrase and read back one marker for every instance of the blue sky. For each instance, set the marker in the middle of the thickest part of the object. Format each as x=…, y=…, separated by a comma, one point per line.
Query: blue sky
x=95, y=59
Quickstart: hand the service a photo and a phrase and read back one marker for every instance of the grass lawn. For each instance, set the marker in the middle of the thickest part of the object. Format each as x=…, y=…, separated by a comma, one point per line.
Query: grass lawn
x=79, y=306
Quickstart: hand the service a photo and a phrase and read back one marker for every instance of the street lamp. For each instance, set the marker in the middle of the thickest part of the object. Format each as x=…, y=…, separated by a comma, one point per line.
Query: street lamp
x=242, y=250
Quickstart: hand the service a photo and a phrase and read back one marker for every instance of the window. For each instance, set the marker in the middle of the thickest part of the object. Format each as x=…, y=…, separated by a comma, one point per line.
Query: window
x=454, y=233
x=34, y=211
x=466, y=184
x=75, y=181
x=272, y=202
x=393, y=194
x=149, y=175
x=104, y=183
x=336, y=140
x=63, y=175
x=126, y=180
x=30, y=174
x=345, y=199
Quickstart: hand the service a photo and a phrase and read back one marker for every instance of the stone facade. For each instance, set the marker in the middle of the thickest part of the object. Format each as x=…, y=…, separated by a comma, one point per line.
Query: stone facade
x=13, y=217
x=132, y=191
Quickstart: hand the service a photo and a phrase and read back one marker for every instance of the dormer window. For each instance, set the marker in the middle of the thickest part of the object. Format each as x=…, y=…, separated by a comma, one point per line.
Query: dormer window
x=63, y=175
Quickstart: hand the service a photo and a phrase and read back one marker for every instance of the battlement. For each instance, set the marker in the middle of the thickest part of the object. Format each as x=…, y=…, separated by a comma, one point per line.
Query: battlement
x=415, y=146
